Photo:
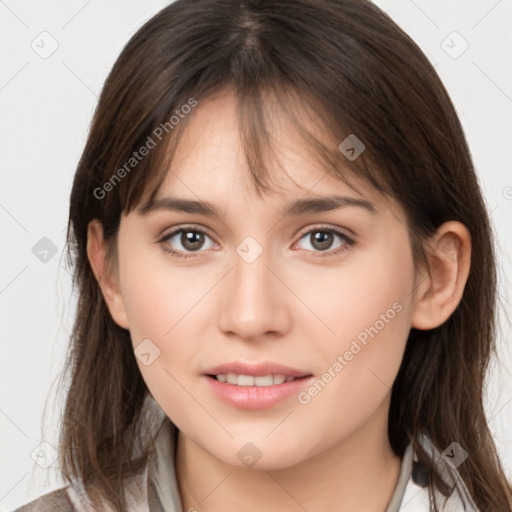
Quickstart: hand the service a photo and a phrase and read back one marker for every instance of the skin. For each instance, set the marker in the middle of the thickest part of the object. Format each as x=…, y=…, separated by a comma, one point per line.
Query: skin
x=295, y=304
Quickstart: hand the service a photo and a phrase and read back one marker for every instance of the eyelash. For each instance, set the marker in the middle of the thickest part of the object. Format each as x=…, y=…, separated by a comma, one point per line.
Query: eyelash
x=348, y=242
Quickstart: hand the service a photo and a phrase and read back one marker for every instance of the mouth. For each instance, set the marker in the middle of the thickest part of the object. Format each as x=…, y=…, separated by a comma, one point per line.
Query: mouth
x=255, y=386
x=251, y=380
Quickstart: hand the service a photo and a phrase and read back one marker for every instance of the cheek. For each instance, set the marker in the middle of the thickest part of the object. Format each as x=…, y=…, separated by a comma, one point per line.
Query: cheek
x=155, y=295
x=162, y=304
x=368, y=313
x=361, y=361
x=159, y=306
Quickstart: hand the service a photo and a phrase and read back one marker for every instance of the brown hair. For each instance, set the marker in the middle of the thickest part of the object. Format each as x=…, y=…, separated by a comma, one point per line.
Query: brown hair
x=359, y=73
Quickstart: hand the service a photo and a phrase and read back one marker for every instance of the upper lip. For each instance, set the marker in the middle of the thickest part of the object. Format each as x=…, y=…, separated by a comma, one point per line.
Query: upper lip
x=255, y=369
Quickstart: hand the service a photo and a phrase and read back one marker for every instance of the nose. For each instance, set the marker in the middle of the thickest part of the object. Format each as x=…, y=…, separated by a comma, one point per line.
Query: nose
x=254, y=300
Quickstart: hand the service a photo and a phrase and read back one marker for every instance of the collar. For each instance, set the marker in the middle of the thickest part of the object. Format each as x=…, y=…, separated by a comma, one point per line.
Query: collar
x=161, y=482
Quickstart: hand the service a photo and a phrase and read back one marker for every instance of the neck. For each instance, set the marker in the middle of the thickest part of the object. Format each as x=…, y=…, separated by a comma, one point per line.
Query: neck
x=358, y=474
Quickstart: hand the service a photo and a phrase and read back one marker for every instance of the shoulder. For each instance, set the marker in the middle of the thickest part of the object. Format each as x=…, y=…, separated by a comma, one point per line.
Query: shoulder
x=55, y=501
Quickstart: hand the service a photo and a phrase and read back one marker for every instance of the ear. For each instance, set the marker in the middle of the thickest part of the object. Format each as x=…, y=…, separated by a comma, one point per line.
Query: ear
x=107, y=279
x=438, y=296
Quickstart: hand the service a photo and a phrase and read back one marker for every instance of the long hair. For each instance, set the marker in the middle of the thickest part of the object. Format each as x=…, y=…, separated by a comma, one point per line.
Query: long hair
x=356, y=72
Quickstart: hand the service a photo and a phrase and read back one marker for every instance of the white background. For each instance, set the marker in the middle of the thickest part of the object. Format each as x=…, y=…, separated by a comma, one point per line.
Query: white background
x=46, y=107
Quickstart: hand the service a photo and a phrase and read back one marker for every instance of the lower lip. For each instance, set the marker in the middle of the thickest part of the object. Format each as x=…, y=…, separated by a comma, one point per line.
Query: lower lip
x=255, y=397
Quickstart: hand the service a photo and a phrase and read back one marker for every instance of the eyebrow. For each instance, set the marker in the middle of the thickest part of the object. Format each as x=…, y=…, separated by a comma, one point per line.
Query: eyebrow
x=295, y=208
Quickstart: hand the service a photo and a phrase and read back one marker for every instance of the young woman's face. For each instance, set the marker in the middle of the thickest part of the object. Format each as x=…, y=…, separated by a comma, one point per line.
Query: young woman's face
x=269, y=294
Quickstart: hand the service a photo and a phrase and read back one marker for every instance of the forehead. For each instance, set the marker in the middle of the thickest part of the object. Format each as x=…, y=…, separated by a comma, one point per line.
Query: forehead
x=210, y=159
x=210, y=166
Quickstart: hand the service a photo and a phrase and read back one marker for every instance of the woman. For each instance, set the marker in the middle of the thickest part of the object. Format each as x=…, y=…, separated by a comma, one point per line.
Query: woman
x=285, y=272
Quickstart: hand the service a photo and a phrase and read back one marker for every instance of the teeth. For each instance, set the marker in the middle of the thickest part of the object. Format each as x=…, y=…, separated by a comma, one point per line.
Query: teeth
x=245, y=380
x=265, y=380
x=249, y=380
x=279, y=379
x=231, y=378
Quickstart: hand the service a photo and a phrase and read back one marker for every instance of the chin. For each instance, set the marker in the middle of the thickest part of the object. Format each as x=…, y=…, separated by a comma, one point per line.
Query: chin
x=261, y=454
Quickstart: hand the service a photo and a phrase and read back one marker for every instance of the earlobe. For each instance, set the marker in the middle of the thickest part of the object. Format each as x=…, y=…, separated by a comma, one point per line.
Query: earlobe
x=438, y=295
x=96, y=252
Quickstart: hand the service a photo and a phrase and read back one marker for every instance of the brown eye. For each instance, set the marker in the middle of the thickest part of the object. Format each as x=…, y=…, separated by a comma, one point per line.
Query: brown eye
x=192, y=240
x=185, y=240
x=323, y=239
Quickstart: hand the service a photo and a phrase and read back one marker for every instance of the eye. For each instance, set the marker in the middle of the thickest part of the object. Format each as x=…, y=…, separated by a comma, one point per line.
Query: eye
x=322, y=238
x=191, y=239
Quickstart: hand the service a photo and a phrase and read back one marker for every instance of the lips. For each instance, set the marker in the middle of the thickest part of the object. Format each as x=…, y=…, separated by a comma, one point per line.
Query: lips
x=255, y=386
x=255, y=369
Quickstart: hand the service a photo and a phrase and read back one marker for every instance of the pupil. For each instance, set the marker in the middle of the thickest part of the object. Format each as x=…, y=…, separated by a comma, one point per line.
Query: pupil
x=322, y=240
x=192, y=240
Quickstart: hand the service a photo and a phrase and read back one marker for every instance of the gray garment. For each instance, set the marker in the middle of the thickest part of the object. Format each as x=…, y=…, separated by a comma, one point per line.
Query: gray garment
x=156, y=490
